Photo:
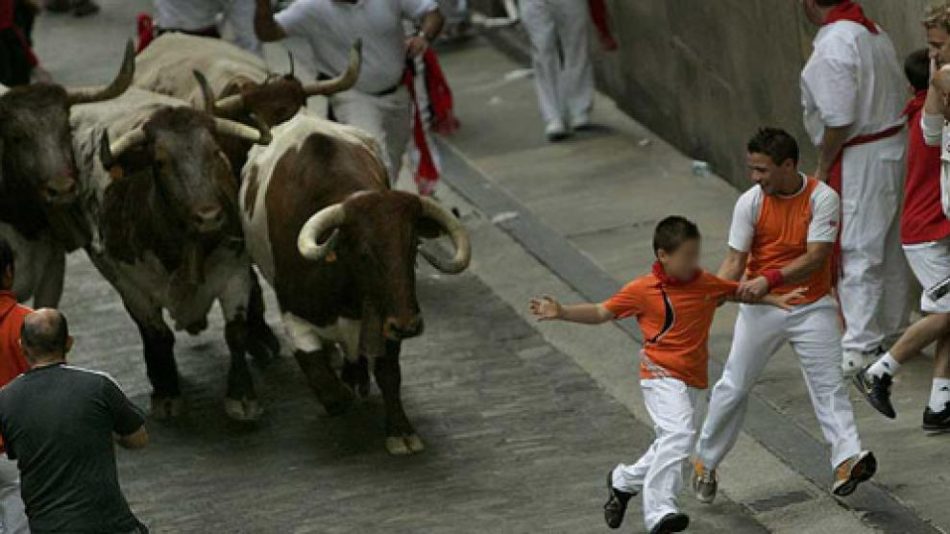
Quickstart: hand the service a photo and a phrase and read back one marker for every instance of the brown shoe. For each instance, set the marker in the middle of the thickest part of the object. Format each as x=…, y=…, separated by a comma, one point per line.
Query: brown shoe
x=853, y=471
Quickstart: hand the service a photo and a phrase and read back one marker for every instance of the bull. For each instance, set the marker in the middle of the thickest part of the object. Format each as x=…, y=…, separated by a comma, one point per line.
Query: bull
x=161, y=199
x=38, y=179
x=339, y=249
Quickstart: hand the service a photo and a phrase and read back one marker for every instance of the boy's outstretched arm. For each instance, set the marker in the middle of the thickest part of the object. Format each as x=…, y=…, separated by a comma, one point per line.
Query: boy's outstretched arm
x=549, y=309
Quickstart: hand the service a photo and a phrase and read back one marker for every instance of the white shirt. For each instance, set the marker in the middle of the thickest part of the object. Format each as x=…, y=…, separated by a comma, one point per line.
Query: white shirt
x=853, y=77
x=331, y=27
x=193, y=15
x=822, y=228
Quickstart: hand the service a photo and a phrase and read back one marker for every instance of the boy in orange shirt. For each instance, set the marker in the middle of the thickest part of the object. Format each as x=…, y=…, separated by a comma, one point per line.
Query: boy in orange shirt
x=674, y=306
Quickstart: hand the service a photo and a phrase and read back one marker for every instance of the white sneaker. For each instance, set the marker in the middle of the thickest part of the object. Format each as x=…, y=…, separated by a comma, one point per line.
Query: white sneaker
x=555, y=131
x=580, y=122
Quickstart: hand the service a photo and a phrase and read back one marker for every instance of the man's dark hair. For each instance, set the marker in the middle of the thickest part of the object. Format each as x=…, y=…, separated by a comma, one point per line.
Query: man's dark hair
x=6, y=256
x=917, y=69
x=672, y=232
x=44, y=337
x=775, y=143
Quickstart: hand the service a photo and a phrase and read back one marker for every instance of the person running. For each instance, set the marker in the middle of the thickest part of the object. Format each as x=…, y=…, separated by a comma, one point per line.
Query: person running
x=59, y=423
x=852, y=96
x=674, y=306
x=783, y=231
x=926, y=236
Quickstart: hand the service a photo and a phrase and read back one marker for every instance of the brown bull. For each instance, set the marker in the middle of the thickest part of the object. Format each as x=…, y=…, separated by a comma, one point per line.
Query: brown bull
x=339, y=248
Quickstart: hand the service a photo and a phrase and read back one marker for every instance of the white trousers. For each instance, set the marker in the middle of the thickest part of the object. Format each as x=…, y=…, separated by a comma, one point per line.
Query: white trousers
x=658, y=474
x=560, y=28
x=387, y=118
x=875, y=280
x=12, y=514
x=814, y=333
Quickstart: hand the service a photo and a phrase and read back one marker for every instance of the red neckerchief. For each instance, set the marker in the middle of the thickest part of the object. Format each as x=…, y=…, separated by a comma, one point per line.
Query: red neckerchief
x=667, y=280
x=915, y=104
x=848, y=10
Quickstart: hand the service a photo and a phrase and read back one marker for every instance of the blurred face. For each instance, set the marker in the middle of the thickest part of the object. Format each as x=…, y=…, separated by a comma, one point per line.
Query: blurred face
x=683, y=262
x=813, y=12
x=937, y=38
x=772, y=178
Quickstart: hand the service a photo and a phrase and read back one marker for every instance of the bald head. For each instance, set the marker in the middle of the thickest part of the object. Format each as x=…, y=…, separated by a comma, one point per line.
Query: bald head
x=45, y=335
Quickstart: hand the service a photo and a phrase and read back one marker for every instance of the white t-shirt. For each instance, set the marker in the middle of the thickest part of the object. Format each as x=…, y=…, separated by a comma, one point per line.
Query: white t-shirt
x=331, y=27
x=822, y=228
x=853, y=77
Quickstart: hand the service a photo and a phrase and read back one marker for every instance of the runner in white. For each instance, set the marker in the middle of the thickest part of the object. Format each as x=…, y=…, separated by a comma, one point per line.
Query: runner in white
x=201, y=17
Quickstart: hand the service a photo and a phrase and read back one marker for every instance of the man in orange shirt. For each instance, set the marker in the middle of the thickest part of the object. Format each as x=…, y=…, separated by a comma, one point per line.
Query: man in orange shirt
x=783, y=232
x=12, y=364
x=674, y=306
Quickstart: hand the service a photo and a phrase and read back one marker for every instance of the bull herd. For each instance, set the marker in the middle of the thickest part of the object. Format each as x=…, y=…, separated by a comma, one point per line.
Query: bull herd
x=196, y=163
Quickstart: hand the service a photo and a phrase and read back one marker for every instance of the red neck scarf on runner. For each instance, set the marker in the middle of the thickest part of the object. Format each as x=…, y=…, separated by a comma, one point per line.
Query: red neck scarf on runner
x=668, y=280
x=850, y=11
x=915, y=103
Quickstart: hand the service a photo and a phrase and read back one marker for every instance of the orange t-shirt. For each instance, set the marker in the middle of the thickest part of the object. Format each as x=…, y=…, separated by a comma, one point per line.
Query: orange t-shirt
x=777, y=231
x=675, y=320
x=12, y=362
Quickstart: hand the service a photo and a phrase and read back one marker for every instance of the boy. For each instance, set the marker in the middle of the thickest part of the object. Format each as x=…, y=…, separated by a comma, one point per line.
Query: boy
x=925, y=232
x=674, y=306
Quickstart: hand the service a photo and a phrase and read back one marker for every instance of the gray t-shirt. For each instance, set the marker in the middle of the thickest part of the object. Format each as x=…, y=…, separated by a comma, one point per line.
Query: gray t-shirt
x=57, y=422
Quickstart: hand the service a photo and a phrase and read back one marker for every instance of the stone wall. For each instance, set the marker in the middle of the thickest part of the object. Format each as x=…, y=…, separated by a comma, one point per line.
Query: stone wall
x=705, y=74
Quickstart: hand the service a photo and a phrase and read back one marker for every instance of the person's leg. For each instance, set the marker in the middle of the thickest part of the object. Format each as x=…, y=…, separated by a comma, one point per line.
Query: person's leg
x=671, y=404
x=13, y=518
x=539, y=22
x=239, y=14
x=577, y=76
x=396, y=112
x=816, y=338
x=759, y=332
x=361, y=110
x=869, y=208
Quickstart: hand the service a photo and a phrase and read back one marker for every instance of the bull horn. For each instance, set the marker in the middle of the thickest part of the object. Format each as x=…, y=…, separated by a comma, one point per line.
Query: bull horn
x=109, y=153
x=206, y=92
x=463, y=247
x=329, y=218
x=230, y=105
x=118, y=86
x=345, y=80
x=290, y=57
x=241, y=131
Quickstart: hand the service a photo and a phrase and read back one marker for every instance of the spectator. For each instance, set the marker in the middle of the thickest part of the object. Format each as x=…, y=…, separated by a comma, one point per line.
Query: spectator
x=200, y=17
x=565, y=88
x=59, y=423
x=12, y=364
x=379, y=103
x=80, y=8
x=925, y=233
x=852, y=94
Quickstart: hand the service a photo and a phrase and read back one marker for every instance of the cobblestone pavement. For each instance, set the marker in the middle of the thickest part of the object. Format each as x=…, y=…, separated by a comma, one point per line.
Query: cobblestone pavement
x=518, y=436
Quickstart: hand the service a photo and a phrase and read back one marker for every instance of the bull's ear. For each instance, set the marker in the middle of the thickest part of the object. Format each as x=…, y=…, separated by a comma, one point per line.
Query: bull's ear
x=428, y=229
x=107, y=159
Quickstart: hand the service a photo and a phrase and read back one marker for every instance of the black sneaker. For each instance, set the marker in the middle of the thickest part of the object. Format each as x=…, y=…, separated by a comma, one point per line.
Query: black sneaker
x=671, y=523
x=616, y=505
x=877, y=391
x=937, y=422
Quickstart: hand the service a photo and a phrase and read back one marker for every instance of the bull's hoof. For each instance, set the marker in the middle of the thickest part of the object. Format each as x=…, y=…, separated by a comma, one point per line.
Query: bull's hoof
x=404, y=445
x=243, y=410
x=164, y=408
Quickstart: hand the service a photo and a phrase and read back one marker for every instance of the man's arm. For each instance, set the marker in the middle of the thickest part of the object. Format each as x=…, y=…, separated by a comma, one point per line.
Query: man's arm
x=265, y=26
x=798, y=270
x=733, y=267
x=832, y=143
x=135, y=440
x=429, y=28
x=549, y=309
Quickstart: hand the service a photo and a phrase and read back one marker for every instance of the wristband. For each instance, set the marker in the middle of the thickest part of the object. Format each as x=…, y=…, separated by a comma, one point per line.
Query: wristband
x=774, y=278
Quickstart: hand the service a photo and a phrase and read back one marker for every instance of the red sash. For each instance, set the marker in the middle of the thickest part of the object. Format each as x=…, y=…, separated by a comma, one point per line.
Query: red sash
x=598, y=14
x=850, y=11
x=443, y=119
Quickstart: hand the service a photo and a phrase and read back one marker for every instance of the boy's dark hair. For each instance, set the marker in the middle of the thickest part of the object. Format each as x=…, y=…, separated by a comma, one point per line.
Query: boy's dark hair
x=917, y=69
x=672, y=232
x=6, y=256
x=775, y=143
